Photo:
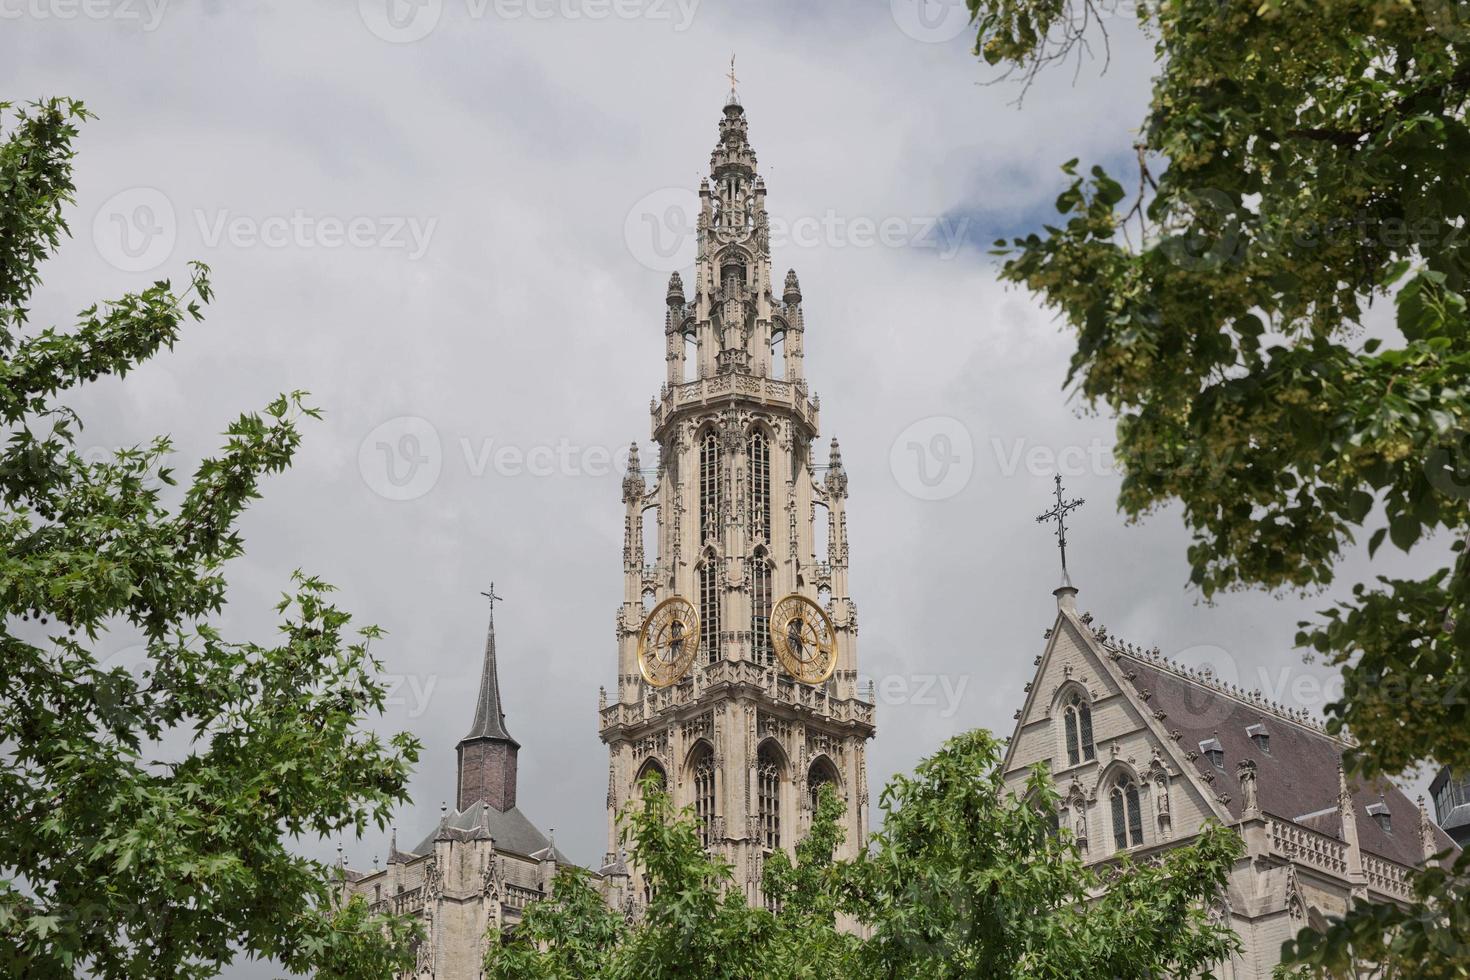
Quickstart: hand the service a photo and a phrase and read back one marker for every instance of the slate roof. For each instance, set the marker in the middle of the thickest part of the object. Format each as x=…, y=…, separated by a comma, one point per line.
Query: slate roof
x=510, y=830
x=489, y=713
x=1297, y=779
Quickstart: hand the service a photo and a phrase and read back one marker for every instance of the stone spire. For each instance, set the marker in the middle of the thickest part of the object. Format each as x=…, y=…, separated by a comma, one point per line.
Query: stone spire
x=1347, y=814
x=489, y=715
x=487, y=754
x=1428, y=843
x=732, y=155
x=836, y=475
x=791, y=292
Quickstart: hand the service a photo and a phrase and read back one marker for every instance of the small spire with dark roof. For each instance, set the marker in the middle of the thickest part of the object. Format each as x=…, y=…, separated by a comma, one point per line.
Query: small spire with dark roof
x=489, y=715
x=487, y=754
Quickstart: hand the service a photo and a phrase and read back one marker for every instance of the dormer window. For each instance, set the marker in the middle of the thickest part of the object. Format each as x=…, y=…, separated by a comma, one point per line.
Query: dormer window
x=1379, y=812
x=1212, y=750
x=1261, y=737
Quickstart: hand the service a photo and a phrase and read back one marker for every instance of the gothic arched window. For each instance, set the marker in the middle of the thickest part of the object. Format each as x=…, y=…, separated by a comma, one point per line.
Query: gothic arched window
x=768, y=795
x=1127, y=815
x=652, y=768
x=1077, y=718
x=760, y=609
x=709, y=487
x=702, y=768
x=709, y=609
x=821, y=774
x=758, y=453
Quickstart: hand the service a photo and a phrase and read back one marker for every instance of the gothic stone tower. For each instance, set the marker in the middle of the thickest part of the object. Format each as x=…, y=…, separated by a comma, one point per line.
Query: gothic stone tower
x=736, y=502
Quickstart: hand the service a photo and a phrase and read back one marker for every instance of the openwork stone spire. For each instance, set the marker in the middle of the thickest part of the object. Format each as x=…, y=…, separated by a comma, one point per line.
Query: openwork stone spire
x=747, y=540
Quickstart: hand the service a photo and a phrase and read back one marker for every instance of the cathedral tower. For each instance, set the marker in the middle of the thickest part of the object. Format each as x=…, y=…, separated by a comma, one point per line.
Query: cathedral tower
x=737, y=639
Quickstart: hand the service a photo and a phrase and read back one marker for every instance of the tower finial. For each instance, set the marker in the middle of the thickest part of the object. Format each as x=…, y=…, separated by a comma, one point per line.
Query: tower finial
x=734, y=98
x=1059, y=514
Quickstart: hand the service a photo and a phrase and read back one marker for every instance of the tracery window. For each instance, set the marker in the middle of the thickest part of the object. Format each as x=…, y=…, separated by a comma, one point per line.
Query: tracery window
x=758, y=453
x=709, y=488
x=760, y=609
x=1077, y=719
x=821, y=775
x=652, y=768
x=768, y=796
x=704, y=793
x=1127, y=815
x=709, y=610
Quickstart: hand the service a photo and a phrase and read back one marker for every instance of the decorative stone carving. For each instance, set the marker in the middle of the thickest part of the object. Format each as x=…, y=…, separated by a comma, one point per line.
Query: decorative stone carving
x=1246, y=774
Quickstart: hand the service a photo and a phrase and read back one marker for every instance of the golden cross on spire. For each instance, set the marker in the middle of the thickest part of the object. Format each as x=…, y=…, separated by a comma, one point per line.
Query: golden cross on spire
x=731, y=76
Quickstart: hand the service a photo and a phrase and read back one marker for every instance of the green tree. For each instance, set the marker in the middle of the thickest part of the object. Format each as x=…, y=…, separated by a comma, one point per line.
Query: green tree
x=808, y=894
x=966, y=880
x=146, y=815
x=568, y=935
x=696, y=922
x=1299, y=161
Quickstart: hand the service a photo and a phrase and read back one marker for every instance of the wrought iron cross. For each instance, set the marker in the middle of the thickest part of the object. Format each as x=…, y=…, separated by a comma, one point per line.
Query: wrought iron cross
x=731, y=76
x=1059, y=514
x=493, y=599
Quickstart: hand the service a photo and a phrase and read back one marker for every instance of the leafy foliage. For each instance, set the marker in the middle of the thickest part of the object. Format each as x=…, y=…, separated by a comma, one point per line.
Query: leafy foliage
x=1428, y=939
x=565, y=936
x=1300, y=161
x=146, y=813
x=965, y=880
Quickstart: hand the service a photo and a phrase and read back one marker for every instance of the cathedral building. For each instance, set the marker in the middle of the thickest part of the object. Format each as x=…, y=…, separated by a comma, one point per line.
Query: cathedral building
x=737, y=638
x=737, y=672
x=1143, y=751
x=483, y=862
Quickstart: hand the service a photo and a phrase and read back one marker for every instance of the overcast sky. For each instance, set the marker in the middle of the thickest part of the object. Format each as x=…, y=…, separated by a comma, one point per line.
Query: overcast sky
x=452, y=222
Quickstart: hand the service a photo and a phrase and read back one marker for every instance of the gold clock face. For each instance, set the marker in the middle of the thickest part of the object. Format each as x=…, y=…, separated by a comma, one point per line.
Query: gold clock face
x=803, y=637
x=668, y=642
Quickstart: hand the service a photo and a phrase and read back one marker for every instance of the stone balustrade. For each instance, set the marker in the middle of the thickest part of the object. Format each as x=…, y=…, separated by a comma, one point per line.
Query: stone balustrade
x=519, y=896
x=1387, y=877
x=708, y=391
x=1306, y=846
x=778, y=687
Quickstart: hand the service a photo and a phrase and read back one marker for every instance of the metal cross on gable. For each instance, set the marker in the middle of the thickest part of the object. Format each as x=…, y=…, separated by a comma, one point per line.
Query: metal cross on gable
x=1059, y=513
